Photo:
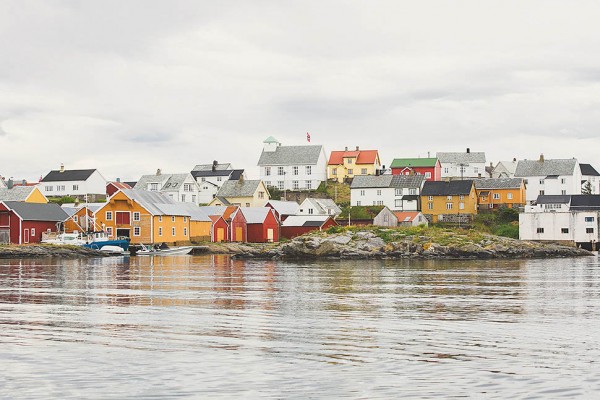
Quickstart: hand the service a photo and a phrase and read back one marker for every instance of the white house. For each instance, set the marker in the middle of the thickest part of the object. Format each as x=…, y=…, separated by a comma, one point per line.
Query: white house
x=397, y=192
x=562, y=218
x=311, y=206
x=74, y=182
x=292, y=167
x=459, y=165
x=590, y=179
x=505, y=169
x=210, y=178
x=549, y=177
x=182, y=188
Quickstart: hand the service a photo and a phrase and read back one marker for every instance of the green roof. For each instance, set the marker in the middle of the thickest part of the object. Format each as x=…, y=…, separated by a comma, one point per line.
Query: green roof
x=413, y=162
x=271, y=139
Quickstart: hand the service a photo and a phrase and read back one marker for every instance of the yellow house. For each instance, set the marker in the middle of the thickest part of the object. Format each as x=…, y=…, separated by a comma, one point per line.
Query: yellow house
x=145, y=217
x=81, y=219
x=243, y=193
x=452, y=201
x=28, y=194
x=500, y=192
x=347, y=164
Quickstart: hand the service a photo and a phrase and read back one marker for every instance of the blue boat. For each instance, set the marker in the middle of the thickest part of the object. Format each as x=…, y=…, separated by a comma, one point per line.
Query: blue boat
x=97, y=240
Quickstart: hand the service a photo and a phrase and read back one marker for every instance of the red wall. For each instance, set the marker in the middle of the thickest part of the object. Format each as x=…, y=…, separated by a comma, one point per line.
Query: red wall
x=16, y=227
x=220, y=223
x=238, y=221
x=290, y=232
x=257, y=233
x=436, y=172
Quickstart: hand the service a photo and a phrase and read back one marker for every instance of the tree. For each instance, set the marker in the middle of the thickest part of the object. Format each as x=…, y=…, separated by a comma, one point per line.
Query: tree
x=587, y=188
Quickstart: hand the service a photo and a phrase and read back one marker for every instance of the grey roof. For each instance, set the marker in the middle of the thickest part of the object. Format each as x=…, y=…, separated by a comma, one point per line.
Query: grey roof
x=213, y=210
x=223, y=200
x=284, y=207
x=588, y=170
x=143, y=182
x=17, y=193
x=209, y=167
x=324, y=205
x=554, y=199
x=2, y=183
x=68, y=175
x=255, y=215
x=498, y=183
x=451, y=188
x=585, y=202
x=459, y=157
x=244, y=188
x=70, y=210
x=204, y=173
x=149, y=200
x=291, y=155
x=167, y=182
x=385, y=181
x=37, y=212
x=305, y=220
x=544, y=168
x=175, y=182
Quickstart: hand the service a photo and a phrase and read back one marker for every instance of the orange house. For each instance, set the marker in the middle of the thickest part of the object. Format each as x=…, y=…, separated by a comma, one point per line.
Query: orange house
x=500, y=192
x=145, y=217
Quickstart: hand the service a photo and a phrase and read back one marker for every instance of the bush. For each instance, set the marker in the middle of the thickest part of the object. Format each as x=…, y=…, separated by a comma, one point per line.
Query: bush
x=507, y=230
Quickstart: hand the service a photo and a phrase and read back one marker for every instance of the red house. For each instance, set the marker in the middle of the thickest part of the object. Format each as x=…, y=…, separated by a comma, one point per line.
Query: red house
x=229, y=224
x=297, y=225
x=263, y=225
x=22, y=223
x=283, y=209
x=238, y=229
x=430, y=167
x=114, y=187
x=220, y=229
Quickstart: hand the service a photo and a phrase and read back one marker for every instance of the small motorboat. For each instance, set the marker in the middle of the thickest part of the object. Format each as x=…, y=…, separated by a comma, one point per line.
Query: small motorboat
x=113, y=250
x=173, y=251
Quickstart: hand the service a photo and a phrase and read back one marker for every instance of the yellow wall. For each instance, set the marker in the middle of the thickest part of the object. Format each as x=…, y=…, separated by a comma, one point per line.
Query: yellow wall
x=164, y=224
x=254, y=201
x=518, y=197
x=200, y=229
x=36, y=197
x=342, y=171
x=79, y=226
x=439, y=205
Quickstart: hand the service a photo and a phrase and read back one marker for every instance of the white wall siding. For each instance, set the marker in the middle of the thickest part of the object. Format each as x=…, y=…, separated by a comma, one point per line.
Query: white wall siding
x=559, y=226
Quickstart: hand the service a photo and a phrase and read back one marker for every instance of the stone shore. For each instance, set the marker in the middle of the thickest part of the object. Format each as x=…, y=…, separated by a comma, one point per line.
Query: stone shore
x=40, y=251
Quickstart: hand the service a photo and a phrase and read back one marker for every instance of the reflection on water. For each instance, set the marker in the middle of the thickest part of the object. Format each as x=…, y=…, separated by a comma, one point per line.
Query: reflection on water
x=214, y=326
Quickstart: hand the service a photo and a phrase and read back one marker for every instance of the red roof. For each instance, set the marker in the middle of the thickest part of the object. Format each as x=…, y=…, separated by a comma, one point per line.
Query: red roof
x=406, y=216
x=362, y=156
x=120, y=185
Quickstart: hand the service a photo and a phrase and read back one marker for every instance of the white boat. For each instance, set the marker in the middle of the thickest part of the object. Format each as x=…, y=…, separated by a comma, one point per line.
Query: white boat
x=116, y=250
x=174, y=251
x=63, y=238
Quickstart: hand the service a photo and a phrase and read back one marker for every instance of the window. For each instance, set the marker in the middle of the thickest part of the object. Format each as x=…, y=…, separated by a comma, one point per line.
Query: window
x=108, y=216
x=362, y=192
x=294, y=170
x=541, y=181
x=183, y=198
x=448, y=206
x=412, y=191
x=509, y=196
x=184, y=231
x=32, y=233
x=427, y=175
x=203, y=180
x=137, y=231
x=363, y=171
x=184, y=219
x=279, y=170
x=160, y=218
x=159, y=231
x=398, y=203
x=462, y=197
x=261, y=195
x=310, y=210
x=75, y=187
x=219, y=178
x=173, y=231
x=350, y=171
x=308, y=170
x=349, y=161
x=173, y=218
x=75, y=218
x=461, y=206
x=379, y=202
x=309, y=185
x=430, y=206
x=136, y=216
x=247, y=204
x=448, y=197
x=122, y=217
x=280, y=185
x=398, y=192
x=496, y=196
x=430, y=198
x=589, y=219
x=589, y=230
x=193, y=198
x=295, y=185
x=564, y=230
x=267, y=171
x=109, y=231
x=378, y=192
x=48, y=188
x=154, y=187
x=446, y=170
x=334, y=171
x=386, y=218
x=476, y=170
x=358, y=203
x=541, y=192
x=540, y=230
x=563, y=180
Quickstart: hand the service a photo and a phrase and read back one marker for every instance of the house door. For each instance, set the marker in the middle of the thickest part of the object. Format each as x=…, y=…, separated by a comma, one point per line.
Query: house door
x=238, y=233
x=220, y=234
x=26, y=236
x=270, y=235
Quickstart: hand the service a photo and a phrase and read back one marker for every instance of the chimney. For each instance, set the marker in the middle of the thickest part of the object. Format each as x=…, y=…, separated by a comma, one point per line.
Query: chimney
x=542, y=157
x=346, y=149
x=214, y=166
x=158, y=172
x=468, y=150
x=357, y=148
x=428, y=155
x=10, y=183
x=62, y=167
x=118, y=179
x=515, y=159
x=491, y=164
x=24, y=182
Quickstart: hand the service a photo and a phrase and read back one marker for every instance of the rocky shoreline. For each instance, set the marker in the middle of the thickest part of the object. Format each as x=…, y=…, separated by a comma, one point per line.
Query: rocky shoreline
x=41, y=251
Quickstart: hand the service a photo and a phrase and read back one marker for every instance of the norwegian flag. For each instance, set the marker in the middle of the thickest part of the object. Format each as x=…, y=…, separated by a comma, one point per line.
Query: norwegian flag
x=308, y=137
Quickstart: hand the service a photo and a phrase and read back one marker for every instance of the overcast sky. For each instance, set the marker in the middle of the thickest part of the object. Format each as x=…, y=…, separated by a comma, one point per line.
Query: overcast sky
x=131, y=86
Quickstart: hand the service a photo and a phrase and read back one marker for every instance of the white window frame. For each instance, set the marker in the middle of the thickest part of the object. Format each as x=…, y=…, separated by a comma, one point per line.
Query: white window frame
x=136, y=216
x=108, y=215
x=137, y=231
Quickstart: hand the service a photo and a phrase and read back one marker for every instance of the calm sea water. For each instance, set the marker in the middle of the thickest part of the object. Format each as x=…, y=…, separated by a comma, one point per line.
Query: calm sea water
x=213, y=327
